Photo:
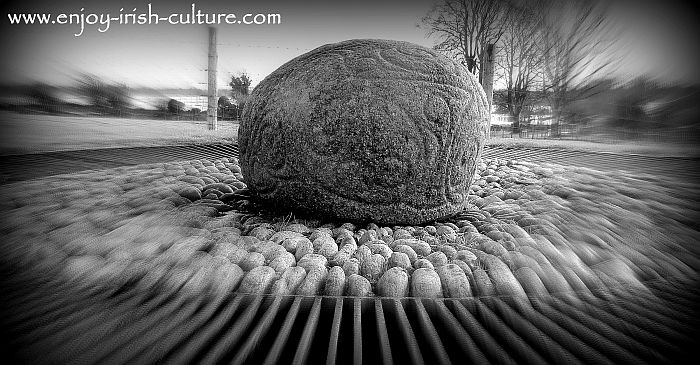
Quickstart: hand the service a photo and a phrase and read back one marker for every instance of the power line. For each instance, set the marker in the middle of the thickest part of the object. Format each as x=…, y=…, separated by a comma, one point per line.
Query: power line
x=227, y=44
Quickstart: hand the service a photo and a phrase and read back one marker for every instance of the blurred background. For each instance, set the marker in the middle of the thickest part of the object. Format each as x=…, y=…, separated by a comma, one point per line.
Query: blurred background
x=600, y=71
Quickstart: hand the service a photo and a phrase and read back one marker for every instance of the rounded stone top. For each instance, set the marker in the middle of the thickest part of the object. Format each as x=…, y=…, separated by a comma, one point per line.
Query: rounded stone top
x=365, y=130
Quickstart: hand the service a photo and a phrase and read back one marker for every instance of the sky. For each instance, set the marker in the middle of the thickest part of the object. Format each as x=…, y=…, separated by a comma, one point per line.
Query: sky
x=661, y=36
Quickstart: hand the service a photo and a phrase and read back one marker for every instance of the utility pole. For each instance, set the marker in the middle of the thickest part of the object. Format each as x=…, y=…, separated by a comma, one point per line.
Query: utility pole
x=488, y=64
x=211, y=80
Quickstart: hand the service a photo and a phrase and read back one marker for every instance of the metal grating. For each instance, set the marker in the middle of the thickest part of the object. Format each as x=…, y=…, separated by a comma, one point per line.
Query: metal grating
x=36, y=165
x=30, y=166
x=49, y=322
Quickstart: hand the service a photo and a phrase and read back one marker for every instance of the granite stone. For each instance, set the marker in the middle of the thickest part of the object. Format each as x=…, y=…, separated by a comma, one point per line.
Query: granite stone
x=365, y=130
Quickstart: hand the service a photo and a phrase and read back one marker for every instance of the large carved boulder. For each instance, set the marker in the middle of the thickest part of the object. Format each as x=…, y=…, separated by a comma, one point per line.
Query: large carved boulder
x=365, y=130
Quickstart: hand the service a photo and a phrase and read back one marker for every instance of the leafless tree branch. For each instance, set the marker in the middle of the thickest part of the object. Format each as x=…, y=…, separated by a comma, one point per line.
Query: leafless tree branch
x=464, y=27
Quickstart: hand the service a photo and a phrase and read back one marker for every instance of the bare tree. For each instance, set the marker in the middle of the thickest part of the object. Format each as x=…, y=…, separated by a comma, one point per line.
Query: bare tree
x=108, y=98
x=521, y=60
x=580, y=46
x=560, y=47
x=464, y=27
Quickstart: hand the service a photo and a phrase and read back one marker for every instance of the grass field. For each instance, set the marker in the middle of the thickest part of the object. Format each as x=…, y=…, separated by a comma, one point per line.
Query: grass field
x=27, y=133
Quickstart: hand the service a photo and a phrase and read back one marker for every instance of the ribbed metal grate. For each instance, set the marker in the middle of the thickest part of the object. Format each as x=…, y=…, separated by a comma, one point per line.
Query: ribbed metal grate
x=36, y=165
x=29, y=166
x=50, y=323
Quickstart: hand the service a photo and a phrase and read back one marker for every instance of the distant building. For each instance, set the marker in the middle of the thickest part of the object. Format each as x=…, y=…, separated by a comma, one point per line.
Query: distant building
x=501, y=119
x=539, y=119
x=506, y=120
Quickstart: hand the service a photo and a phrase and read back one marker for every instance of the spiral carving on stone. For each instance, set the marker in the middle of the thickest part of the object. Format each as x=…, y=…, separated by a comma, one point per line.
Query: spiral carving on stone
x=365, y=130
